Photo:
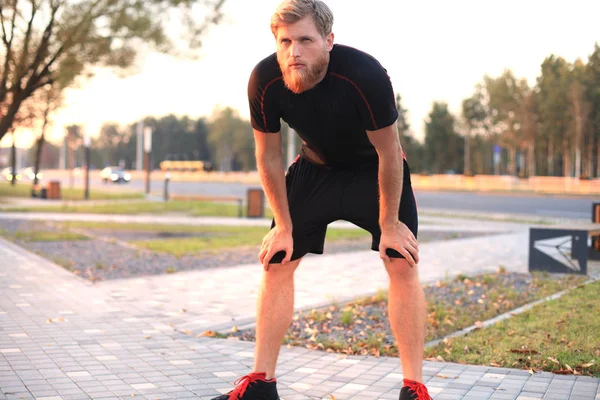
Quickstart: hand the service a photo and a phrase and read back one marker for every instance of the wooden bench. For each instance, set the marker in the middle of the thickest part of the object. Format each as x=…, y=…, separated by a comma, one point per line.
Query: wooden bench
x=563, y=248
x=255, y=203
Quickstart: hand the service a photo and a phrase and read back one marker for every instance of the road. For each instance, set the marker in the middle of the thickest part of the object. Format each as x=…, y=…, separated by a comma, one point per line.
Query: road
x=547, y=206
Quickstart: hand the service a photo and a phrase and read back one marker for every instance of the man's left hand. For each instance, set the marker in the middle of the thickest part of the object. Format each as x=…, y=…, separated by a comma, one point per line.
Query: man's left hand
x=398, y=237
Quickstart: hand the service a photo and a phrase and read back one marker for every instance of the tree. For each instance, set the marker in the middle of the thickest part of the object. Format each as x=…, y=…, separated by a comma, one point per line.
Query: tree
x=592, y=84
x=506, y=95
x=108, y=143
x=475, y=116
x=529, y=122
x=413, y=150
x=50, y=102
x=443, y=146
x=402, y=122
x=553, y=84
x=231, y=141
x=52, y=42
x=579, y=110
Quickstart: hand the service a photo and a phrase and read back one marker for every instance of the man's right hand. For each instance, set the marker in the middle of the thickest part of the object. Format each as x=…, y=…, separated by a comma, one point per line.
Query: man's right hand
x=275, y=241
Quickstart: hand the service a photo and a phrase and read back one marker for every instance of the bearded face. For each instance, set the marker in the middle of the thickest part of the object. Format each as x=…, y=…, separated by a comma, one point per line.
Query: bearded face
x=302, y=75
x=302, y=54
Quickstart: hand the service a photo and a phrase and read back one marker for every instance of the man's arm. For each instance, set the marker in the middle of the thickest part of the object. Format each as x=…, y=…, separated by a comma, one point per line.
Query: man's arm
x=391, y=173
x=394, y=234
x=272, y=175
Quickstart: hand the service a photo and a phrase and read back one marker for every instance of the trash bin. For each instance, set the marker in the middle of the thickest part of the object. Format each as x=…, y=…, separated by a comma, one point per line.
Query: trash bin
x=44, y=193
x=255, y=203
x=53, y=190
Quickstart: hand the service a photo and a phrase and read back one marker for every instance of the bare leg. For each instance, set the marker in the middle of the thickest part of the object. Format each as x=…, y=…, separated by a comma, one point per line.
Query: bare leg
x=406, y=308
x=274, y=315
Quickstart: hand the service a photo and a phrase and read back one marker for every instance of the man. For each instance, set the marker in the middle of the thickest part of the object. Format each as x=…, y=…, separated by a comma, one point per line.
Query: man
x=341, y=103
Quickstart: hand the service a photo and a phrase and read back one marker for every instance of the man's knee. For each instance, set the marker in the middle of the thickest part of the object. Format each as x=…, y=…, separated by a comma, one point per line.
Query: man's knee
x=400, y=271
x=282, y=271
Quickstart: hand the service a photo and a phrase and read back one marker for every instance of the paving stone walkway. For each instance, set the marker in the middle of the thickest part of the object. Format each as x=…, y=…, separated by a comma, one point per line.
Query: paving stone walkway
x=62, y=337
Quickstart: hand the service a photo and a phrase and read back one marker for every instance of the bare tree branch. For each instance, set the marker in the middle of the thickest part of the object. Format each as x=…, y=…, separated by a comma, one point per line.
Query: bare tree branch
x=20, y=69
x=44, y=43
x=8, y=43
x=67, y=44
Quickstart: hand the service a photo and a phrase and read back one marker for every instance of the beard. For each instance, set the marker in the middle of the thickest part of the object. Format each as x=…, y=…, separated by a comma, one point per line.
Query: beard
x=301, y=80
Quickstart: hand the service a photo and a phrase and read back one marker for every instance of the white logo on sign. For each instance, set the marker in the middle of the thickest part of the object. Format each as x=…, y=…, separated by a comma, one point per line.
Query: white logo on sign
x=559, y=248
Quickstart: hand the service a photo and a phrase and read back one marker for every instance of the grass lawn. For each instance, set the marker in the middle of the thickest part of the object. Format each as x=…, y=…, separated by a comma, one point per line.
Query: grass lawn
x=561, y=336
x=212, y=237
x=362, y=327
x=22, y=189
x=48, y=236
x=192, y=208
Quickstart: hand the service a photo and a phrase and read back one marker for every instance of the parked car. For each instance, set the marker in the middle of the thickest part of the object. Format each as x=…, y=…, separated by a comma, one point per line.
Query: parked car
x=7, y=174
x=115, y=175
x=29, y=173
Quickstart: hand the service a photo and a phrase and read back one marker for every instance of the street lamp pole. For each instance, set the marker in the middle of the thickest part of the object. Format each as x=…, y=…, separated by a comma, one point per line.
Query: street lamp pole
x=147, y=150
x=86, y=144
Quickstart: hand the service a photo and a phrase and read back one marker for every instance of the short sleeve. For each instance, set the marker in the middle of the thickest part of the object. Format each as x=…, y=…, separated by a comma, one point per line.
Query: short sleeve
x=377, y=104
x=265, y=114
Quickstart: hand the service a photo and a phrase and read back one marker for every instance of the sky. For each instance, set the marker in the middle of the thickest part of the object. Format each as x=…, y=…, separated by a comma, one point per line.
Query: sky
x=433, y=50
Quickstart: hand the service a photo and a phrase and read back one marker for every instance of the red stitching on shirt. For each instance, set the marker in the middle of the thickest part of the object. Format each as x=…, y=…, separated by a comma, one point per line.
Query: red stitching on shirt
x=262, y=101
x=361, y=94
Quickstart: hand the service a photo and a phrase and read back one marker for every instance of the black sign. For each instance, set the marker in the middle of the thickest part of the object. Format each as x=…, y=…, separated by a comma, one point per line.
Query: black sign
x=559, y=251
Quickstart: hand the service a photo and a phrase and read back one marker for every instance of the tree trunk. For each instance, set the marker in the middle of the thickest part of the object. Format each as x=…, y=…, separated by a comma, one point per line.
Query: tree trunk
x=38, y=157
x=531, y=158
x=589, y=171
x=578, y=136
x=467, y=167
x=13, y=160
x=41, y=140
x=566, y=159
x=550, y=156
x=512, y=160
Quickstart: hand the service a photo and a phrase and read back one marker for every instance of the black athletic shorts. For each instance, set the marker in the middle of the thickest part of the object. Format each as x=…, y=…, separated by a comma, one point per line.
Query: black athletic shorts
x=319, y=195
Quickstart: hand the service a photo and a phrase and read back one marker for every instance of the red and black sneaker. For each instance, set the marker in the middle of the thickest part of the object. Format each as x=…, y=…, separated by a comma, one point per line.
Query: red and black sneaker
x=254, y=386
x=414, y=390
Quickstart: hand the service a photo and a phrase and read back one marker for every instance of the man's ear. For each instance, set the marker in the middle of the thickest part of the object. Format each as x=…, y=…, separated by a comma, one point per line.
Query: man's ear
x=329, y=41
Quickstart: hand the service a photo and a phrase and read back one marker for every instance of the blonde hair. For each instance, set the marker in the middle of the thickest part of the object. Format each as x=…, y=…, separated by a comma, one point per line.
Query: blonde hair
x=290, y=11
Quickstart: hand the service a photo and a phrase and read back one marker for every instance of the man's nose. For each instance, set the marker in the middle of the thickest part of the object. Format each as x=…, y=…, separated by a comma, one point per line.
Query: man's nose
x=294, y=50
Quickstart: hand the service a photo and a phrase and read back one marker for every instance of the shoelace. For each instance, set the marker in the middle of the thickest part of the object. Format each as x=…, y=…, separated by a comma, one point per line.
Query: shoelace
x=418, y=388
x=242, y=384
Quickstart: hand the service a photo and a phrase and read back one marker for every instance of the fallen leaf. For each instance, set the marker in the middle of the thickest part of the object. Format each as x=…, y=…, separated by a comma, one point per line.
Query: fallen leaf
x=234, y=329
x=478, y=325
x=569, y=367
x=587, y=365
x=148, y=337
x=554, y=360
x=332, y=398
x=207, y=334
x=523, y=351
x=445, y=376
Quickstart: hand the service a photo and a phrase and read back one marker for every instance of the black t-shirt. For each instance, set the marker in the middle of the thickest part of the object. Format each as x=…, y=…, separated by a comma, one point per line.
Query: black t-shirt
x=332, y=118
